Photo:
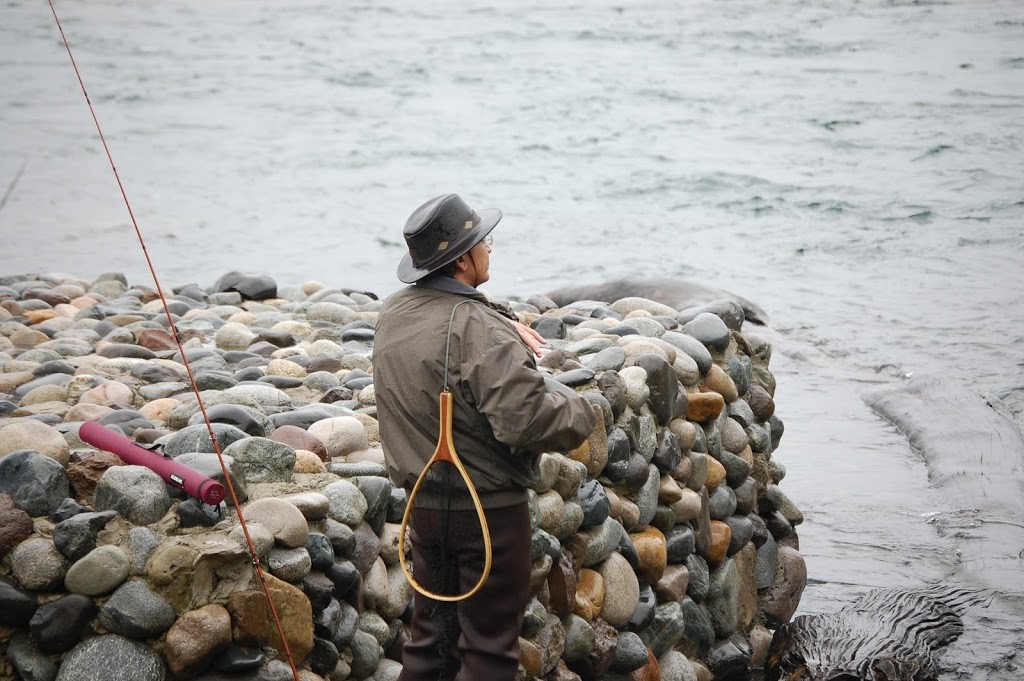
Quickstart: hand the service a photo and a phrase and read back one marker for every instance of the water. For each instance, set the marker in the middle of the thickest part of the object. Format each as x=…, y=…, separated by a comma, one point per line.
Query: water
x=855, y=168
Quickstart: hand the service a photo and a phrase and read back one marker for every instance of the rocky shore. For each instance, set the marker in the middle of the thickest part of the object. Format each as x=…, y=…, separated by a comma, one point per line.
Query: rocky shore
x=663, y=548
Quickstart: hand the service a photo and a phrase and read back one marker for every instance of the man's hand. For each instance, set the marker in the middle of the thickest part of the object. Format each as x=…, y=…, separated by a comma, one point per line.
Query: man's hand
x=530, y=336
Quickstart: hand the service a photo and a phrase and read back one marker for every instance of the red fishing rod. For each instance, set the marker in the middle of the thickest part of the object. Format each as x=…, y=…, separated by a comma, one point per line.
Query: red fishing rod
x=258, y=568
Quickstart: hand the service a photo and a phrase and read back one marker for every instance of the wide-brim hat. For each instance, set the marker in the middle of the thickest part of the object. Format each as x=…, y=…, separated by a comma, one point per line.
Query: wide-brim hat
x=440, y=231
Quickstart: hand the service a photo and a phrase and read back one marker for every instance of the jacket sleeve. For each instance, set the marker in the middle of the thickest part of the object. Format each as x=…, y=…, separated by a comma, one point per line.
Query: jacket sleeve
x=511, y=393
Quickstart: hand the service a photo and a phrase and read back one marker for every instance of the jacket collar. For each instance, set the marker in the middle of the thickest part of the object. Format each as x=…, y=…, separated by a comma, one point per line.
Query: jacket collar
x=439, y=282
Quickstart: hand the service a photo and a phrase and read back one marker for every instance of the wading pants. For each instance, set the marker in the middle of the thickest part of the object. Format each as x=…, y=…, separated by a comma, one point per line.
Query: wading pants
x=475, y=639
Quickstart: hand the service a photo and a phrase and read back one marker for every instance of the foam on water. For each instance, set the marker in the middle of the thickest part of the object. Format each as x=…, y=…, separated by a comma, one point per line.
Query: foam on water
x=854, y=168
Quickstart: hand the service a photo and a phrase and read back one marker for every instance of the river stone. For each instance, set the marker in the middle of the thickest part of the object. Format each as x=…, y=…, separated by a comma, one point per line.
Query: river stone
x=342, y=536
x=324, y=657
x=781, y=600
x=343, y=575
x=740, y=372
x=253, y=625
x=647, y=497
x=644, y=614
x=618, y=455
x=549, y=327
x=16, y=605
x=195, y=638
x=601, y=542
x=298, y=438
x=136, y=492
x=774, y=499
x=667, y=453
x=341, y=435
x=312, y=505
x=741, y=529
x=263, y=460
x=741, y=412
x=196, y=438
x=726, y=661
x=723, y=598
x=58, y=625
x=99, y=572
x=249, y=286
x=710, y=330
x=366, y=654
x=692, y=347
x=609, y=359
x=653, y=556
x=699, y=578
x=764, y=566
x=722, y=502
x=675, y=667
x=399, y=593
x=284, y=521
x=622, y=590
x=377, y=492
x=28, y=661
x=290, y=565
x=761, y=402
x=613, y=388
x=37, y=484
x=76, y=536
x=15, y=525
x=594, y=502
x=136, y=612
x=662, y=384
x=248, y=420
x=319, y=589
x=630, y=653
x=38, y=566
x=348, y=505
x=367, y=547
x=704, y=406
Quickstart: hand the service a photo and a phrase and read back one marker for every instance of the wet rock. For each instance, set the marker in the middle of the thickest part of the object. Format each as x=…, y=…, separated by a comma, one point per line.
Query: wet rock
x=76, y=536
x=58, y=625
x=630, y=653
x=29, y=434
x=28, y=661
x=253, y=624
x=246, y=419
x=710, y=330
x=263, y=460
x=729, y=663
x=136, y=612
x=17, y=606
x=112, y=658
x=196, y=438
x=136, y=492
x=15, y=525
x=195, y=638
x=249, y=286
x=780, y=601
x=298, y=438
x=289, y=565
x=99, y=572
x=662, y=384
x=285, y=522
x=622, y=590
x=38, y=566
x=37, y=484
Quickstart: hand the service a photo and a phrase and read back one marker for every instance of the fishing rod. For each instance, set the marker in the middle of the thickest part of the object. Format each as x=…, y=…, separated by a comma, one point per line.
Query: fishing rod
x=257, y=567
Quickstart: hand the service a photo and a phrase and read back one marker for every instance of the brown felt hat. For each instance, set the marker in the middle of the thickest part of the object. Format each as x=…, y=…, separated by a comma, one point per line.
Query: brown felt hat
x=440, y=231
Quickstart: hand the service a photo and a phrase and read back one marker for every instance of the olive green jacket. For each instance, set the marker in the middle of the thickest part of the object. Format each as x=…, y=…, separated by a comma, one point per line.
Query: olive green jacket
x=503, y=417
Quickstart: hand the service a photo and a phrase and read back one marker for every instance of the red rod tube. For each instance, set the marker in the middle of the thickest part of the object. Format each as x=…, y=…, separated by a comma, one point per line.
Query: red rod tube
x=207, y=490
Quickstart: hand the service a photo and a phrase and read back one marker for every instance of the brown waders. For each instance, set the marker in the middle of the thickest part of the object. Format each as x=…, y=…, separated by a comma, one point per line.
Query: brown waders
x=475, y=639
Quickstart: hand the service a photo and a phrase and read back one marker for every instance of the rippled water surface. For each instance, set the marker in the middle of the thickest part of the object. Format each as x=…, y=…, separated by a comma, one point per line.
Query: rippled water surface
x=857, y=168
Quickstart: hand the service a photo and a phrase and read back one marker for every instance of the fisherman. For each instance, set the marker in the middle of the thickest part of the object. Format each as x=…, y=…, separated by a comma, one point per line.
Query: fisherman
x=442, y=333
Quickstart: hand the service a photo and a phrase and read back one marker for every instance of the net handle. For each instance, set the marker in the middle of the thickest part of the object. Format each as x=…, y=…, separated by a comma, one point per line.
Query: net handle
x=445, y=451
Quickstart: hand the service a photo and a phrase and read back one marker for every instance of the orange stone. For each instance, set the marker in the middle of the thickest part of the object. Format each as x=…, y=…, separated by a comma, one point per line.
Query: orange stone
x=589, y=594
x=704, y=406
x=650, y=547
x=720, y=537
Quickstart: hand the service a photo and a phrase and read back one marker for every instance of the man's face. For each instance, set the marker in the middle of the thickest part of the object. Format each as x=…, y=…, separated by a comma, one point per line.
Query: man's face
x=480, y=263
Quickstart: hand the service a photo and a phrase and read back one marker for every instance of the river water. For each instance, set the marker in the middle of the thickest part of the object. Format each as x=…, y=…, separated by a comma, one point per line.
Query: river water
x=856, y=168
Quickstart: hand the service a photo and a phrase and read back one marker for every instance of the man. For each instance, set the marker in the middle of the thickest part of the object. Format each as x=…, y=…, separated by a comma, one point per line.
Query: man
x=442, y=334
